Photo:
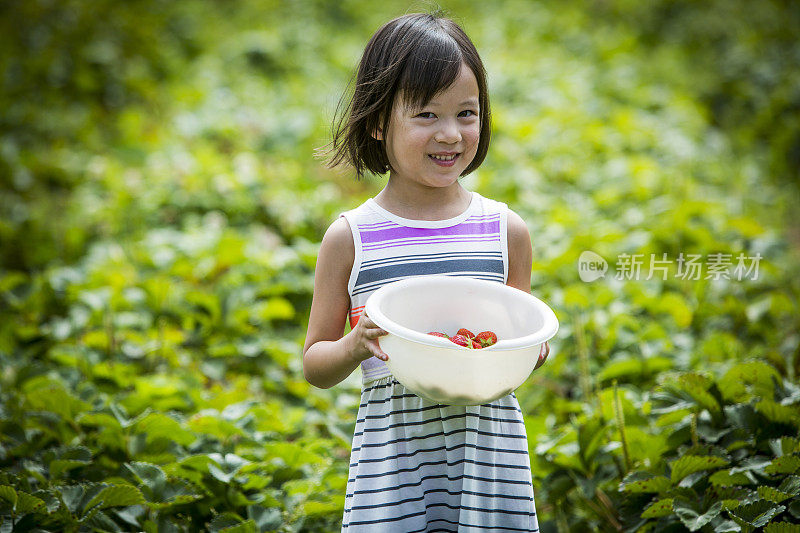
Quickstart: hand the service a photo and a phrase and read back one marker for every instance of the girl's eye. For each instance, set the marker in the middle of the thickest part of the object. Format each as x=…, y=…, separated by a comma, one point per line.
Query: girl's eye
x=426, y=114
x=469, y=112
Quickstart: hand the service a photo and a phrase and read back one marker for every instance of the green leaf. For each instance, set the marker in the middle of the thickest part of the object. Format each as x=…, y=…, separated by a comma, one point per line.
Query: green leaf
x=658, y=508
x=315, y=508
x=787, y=464
x=159, y=425
x=29, y=504
x=781, y=527
x=117, y=496
x=756, y=514
x=8, y=494
x=273, y=309
x=784, y=446
x=730, y=504
x=59, y=466
x=689, y=464
x=99, y=521
x=754, y=463
x=772, y=494
x=101, y=420
x=692, y=518
x=223, y=521
x=264, y=518
x=775, y=412
x=213, y=425
x=248, y=526
x=746, y=380
x=696, y=386
x=618, y=369
x=724, y=478
x=48, y=395
x=150, y=475
x=675, y=305
x=727, y=526
x=590, y=437
x=790, y=485
x=657, y=484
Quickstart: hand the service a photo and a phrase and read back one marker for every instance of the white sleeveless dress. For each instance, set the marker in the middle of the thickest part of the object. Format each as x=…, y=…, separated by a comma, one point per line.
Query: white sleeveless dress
x=417, y=465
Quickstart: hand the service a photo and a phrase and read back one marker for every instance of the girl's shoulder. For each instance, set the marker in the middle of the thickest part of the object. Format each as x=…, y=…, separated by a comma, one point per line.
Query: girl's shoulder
x=336, y=251
x=338, y=232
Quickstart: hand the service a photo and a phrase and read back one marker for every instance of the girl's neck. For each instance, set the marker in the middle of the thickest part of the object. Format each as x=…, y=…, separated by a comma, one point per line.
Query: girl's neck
x=416, y=202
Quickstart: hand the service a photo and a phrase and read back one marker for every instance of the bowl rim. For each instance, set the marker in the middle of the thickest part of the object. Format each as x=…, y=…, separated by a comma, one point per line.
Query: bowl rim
x=372, y=309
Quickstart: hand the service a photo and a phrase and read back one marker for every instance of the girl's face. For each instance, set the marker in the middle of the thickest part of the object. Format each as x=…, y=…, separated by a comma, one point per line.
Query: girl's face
x=433, y=145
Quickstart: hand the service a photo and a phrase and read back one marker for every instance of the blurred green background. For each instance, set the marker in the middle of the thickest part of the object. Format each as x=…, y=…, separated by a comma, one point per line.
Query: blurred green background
x=161, y=209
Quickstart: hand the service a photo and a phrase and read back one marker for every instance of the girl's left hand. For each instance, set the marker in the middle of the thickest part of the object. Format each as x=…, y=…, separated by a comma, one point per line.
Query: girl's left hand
x=544, y=351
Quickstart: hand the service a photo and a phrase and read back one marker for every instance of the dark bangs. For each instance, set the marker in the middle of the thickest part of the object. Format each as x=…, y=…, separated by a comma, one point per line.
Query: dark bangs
x=416, y=56
x=431, y=67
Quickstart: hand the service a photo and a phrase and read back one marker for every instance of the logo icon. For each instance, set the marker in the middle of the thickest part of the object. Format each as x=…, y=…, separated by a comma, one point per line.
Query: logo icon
x=591, y=266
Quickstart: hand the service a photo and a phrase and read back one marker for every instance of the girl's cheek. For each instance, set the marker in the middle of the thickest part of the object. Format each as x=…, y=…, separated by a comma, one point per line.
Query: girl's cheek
x=474, y=135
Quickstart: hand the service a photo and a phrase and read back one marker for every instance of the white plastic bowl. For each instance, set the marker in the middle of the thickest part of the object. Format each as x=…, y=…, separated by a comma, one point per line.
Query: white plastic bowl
x=440, y=370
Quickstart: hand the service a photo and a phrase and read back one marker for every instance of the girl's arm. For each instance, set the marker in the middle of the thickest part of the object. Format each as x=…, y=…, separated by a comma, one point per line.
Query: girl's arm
x=520, y=253
x=520, y=261
x=328, y=357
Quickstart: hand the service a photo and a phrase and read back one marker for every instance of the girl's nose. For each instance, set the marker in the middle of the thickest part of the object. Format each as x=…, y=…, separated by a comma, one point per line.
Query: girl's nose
x=449, y=133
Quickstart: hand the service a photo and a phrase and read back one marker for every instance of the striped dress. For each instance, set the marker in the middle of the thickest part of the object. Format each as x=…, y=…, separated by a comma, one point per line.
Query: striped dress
x=416, y=465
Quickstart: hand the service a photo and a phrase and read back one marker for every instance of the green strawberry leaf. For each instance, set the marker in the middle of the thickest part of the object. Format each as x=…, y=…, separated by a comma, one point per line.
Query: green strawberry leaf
x=724, y=478
x=772, y=494
x=658, y=508
x=756, y=514
x=781, y=527
x=693, y=519
x=117, y=496
x=29, y=504
x=657, y=484
x=149, y=475
x=787, y=464
x=784, y=446
x=8, y=494
x=790, y=485
x=688, y=464
x=60, y=466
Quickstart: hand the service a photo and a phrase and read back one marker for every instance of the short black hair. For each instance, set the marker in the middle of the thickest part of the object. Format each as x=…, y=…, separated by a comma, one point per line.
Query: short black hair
x=415, y=55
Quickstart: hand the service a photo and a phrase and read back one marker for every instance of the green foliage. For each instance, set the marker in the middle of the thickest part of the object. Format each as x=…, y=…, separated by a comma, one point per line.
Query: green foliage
x=160, y=209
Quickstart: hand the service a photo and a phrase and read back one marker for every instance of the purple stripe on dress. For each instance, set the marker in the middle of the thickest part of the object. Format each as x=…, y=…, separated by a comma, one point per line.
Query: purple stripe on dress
x=395, y=244
x=405, y=233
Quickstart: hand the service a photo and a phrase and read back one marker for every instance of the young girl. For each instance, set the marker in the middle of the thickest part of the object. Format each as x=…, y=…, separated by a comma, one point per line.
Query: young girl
x=420, y=111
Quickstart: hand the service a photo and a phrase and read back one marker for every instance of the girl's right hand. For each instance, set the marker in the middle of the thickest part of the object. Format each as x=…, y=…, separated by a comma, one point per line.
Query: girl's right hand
x=363, y=341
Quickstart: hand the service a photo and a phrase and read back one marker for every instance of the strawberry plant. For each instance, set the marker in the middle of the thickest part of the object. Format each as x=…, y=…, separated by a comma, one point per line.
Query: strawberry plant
x=160, y=209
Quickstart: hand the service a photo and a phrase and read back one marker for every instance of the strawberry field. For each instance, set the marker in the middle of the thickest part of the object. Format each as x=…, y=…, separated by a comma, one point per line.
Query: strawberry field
x=161, y=209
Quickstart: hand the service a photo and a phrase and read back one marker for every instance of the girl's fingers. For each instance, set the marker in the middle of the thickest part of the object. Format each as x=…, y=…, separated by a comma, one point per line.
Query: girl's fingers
x=377, y=352
x=375, y=333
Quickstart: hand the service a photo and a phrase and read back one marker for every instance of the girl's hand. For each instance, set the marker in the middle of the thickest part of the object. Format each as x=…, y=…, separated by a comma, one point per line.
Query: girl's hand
x=544, y=351
x=363, y=342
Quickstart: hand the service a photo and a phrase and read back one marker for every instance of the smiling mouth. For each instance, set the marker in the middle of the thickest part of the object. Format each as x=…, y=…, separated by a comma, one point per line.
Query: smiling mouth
x=444, y=160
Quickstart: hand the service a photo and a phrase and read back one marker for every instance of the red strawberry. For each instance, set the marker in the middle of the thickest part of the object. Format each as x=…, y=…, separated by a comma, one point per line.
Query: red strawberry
x=439, y=334
x=486, y=338
x=476, y=345
x=465, y=332
x=461, y=340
